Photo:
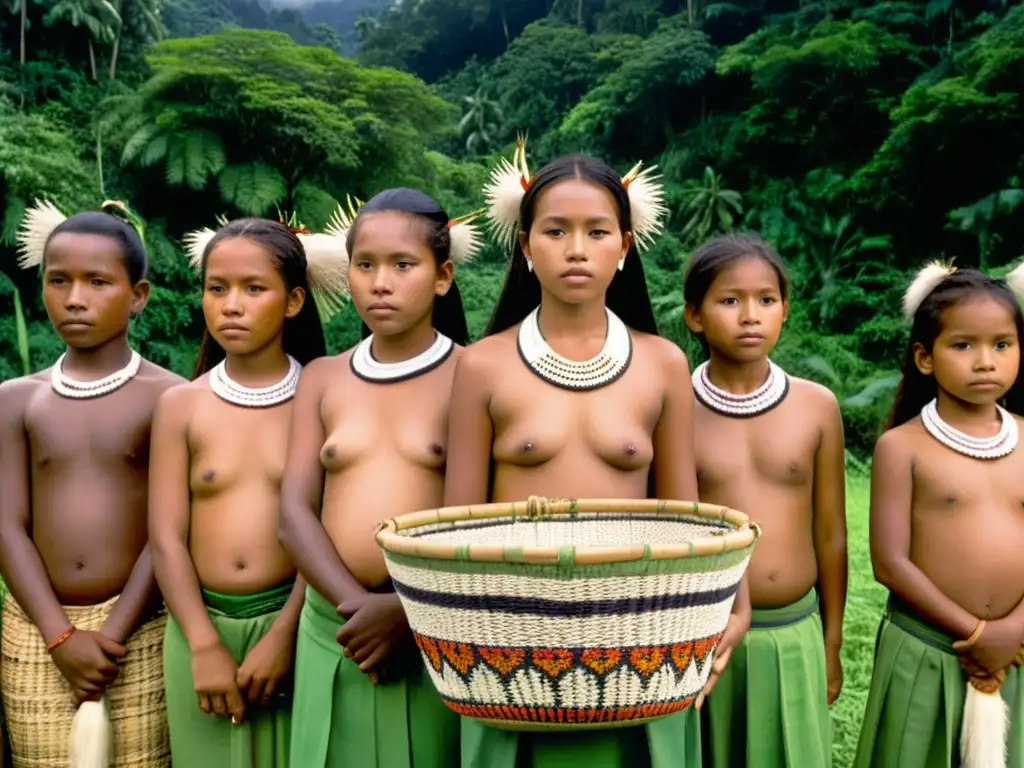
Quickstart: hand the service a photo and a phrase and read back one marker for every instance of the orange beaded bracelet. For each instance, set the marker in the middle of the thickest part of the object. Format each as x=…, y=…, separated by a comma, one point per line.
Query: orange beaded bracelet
x=61, y=639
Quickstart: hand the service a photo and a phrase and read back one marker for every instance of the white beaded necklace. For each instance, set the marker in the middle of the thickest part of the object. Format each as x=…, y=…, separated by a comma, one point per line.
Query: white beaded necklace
x=998, y=445
x=599, y=371
x=66, y=386
x=230, y=390
x=761, y=400
x=367, y=368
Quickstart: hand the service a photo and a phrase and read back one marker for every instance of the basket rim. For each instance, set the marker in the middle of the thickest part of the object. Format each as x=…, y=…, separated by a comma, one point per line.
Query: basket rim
x=538, y=507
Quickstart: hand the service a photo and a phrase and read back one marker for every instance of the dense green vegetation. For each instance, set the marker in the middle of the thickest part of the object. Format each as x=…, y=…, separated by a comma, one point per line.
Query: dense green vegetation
x=861, y=138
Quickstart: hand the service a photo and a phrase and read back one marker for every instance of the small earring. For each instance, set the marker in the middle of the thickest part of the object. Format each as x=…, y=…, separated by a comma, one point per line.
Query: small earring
x=622, y=263
x=529, y=265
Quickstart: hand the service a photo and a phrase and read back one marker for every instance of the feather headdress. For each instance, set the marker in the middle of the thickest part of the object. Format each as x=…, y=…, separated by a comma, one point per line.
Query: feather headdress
x=326, y=262
x=1015, y=280
x=43, y=217
x=466, y=237
x=926, y=281
x=510, y=180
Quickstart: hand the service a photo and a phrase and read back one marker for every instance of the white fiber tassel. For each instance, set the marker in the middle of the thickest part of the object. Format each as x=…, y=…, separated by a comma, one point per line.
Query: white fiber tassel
x=985, y=727
x=91, y=741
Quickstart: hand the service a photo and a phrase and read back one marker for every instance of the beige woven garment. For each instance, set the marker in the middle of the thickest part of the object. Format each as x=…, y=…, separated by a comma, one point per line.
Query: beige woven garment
x=37, y=701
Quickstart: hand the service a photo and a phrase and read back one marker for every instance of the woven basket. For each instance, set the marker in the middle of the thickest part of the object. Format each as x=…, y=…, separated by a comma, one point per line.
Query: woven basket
x=568, y=614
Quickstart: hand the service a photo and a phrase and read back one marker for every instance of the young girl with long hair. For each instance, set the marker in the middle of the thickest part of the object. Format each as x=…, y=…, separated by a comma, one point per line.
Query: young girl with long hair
x=773, y=443
x=369, y=441
x=218, y=458
x=947, y=530
x=573, y=394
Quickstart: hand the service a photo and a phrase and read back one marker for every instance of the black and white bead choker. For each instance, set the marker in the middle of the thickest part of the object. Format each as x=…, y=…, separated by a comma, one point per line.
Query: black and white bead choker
x=761, y=400
x=998, y=445
x=599, y=371
x=367, y=368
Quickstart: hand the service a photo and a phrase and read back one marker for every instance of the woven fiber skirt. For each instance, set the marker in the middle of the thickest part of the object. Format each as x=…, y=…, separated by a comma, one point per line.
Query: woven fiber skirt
x=342, y=720
x=770, y=706
x=37, y=700
x=916, y=701
x=200, y=740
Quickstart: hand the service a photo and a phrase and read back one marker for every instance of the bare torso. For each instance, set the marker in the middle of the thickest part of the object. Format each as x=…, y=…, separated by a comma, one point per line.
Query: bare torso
x=89, y=473
x=764, y=467
x=237, y=458
x=967, y=520
x=550, y=441
x=384, y=455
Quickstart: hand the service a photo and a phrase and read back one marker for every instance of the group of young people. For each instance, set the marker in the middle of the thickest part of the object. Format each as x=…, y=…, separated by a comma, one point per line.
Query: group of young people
x=200, y=557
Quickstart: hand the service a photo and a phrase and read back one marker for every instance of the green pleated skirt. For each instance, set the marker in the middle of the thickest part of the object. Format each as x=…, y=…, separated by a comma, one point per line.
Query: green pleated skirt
x=199, y=740
x=770, y=706
x=342, y=720
x=916, y=701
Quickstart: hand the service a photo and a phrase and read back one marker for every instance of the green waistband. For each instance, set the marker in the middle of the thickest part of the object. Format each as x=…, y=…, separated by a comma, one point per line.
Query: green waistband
x=248, y=606
x=903, y=616
x=784, y=616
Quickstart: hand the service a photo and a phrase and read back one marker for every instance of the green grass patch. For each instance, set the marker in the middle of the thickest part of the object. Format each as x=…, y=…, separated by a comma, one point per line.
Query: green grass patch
x=864, y=603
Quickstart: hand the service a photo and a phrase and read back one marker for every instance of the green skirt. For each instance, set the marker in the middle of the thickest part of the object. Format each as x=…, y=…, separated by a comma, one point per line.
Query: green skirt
x=770, y=706
x=916, y=700
x=670, y=742
x=341, y=719
x=199, y=739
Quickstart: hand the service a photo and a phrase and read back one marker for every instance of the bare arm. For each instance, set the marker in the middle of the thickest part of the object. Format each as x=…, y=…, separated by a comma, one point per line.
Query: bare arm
x=674, y=465
x=470, y=433
x=300, y=530
x=137, y=595
x=170, y=517
x=829, y=525
x=892, y=488
x=287, y=622
x=22, y=567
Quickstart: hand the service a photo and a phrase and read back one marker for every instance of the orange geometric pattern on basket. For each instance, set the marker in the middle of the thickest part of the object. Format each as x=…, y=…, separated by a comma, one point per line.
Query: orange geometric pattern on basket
x=568, y=715
x=647, y=660
x=601, y=660
x=504, y=661
x=552, y=661
x=681, y=653
x=429, y=648
x=701, y=648
x=459, y=655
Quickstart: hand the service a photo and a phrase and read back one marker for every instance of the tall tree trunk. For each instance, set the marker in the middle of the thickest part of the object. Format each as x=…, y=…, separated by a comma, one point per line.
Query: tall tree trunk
x=99, y=158
x=92, y=58
x=113, y=54
x=24, y=23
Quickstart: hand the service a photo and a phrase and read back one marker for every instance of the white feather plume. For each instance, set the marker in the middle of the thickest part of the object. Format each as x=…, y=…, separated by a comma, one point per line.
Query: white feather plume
x=467, y=239
x=926, y=281
x=646, y=203
x=90, y=743
x=195, y=245
x=985, y=726
x=327, y=271
x=38, y=223
x=504, y=193
x=1015, y=280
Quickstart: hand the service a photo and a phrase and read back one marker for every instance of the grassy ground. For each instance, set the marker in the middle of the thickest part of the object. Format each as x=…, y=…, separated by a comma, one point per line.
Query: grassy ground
x=864, y=604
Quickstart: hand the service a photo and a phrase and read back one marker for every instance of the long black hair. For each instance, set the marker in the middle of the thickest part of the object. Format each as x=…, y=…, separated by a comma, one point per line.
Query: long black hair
x=448, y=316
x=133, y=252
x=627, y=295
x=303, y=334
x=915, y=389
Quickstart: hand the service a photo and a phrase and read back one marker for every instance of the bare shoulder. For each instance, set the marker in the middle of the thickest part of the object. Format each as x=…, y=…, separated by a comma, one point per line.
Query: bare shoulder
x=158, y=377
x=898, y=443
x=489, y=352
x=667, y=354
x=814, y=394
x=15, y=393
x=326, y=368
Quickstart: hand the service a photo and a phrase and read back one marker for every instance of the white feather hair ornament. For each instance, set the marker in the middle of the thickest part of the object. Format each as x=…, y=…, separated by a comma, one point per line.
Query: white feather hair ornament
x=326, y=262
x=510, y=181
x=926, y=281
x=37, y=224
x=1015, y=280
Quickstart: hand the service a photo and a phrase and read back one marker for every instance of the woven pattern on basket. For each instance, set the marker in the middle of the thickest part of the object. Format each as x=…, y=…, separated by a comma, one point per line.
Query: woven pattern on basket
x=37, y=700
x=567, y=643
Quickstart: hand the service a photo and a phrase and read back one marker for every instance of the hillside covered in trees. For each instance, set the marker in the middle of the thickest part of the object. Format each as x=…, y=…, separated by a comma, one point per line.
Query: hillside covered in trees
x=860, y=138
